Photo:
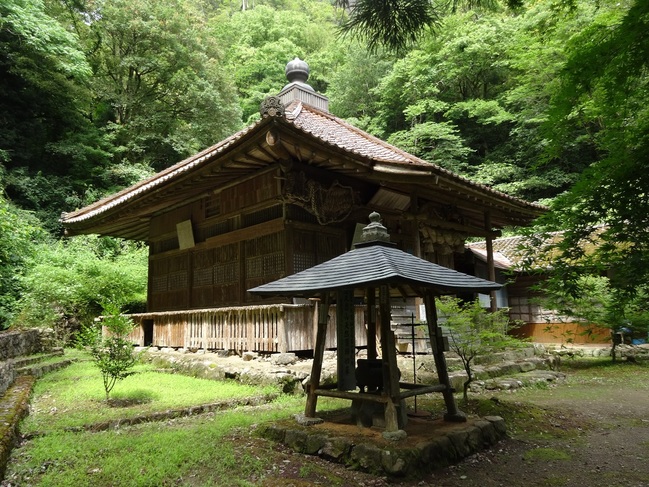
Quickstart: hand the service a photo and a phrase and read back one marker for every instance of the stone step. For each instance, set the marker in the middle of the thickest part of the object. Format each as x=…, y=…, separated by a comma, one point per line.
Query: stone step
x=38, y=369
x=25, y=361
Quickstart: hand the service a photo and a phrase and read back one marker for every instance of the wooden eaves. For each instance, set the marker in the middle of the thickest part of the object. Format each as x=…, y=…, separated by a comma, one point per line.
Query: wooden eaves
x=311, y=137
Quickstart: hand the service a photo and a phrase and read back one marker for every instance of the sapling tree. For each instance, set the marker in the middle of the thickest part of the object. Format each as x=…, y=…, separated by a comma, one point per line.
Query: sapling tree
x=111, y=351
x=474, y=331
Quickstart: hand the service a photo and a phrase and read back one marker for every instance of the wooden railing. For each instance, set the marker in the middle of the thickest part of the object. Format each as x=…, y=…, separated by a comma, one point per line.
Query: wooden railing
x=264, y=328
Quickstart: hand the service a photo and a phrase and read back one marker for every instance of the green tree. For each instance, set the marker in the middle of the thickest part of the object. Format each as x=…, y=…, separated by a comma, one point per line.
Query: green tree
x=605, y=215
x=20, y=233
x=111, y=350
x=398, y=24
x=48, y=146
x=160, y=90
x=473, y=331
x=442, y=101
x=352, y=87
x=594, y=304
x=263, y=39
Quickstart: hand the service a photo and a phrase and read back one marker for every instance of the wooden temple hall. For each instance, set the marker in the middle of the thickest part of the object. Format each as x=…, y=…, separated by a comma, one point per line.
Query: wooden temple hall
x=288, y=192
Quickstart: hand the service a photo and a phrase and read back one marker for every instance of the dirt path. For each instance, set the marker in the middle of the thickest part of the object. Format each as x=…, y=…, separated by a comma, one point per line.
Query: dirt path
x=595, y=433
x=602, y=440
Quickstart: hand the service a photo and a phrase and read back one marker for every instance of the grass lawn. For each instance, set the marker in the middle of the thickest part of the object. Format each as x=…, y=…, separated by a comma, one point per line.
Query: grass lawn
x=220, y=448
x=75, y=397
x=196, y=451
x=185, y=451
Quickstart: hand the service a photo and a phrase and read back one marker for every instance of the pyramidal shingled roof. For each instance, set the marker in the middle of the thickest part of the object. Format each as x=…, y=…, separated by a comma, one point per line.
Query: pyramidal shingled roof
x=371, y=264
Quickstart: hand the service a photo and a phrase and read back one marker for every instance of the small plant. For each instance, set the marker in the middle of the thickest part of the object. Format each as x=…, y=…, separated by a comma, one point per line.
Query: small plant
x=474, y=331
x=113, y=352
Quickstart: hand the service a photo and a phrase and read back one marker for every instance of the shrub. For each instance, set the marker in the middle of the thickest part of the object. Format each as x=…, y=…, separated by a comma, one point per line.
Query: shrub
x=474, y=331
x=69, y=280
x=19, y=233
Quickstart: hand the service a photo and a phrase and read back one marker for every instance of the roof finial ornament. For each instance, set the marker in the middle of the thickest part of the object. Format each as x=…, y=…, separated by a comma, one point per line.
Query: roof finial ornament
x=375, y=231
x=297, y=71
x=297, y=88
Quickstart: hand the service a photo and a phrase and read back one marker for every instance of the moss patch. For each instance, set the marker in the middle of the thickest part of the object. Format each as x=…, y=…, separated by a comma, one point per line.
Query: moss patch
x=13, y=407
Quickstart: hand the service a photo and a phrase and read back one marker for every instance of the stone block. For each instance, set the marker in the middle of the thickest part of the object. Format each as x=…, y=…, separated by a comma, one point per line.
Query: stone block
x=459, y=440
x=248, y=356
x=314, y=444
x=283, y=358
x=394, y=463
x=367, y=457
x=296, y=439
x=488, y=430
x=499, y=425
x=336, y=448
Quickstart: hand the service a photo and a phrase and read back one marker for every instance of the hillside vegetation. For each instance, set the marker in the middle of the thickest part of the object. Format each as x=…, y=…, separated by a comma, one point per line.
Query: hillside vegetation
x=544, y=100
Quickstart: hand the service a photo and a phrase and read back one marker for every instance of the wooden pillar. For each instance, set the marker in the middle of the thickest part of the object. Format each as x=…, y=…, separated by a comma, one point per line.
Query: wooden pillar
x=437, y=346
x=395, y=417
x=491, y=268
x=318, y=355
x=345, y=340
x=414, y=208
x=371, y=323
x=282, y=332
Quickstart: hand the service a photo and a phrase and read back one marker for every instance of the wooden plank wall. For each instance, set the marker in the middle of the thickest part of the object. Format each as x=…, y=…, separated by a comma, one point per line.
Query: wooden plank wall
x=263, y=328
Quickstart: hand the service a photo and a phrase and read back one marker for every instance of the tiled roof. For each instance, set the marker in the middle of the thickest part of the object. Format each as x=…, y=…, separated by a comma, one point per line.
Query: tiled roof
x=154, y=181
x=507, y=253
x=329, y=131
x=338, y=133
x=370, y=265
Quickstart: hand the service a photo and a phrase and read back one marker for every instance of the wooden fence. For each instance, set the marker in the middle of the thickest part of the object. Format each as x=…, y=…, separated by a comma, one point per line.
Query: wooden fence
x=263, y=328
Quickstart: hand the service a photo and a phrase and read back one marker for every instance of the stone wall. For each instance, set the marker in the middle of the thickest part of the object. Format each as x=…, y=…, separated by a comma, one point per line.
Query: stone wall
x=7, y=375
x=22, y=342
x=19, y=344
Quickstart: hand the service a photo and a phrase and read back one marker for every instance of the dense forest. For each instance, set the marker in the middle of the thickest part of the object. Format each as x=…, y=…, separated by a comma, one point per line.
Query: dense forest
x=545, y=100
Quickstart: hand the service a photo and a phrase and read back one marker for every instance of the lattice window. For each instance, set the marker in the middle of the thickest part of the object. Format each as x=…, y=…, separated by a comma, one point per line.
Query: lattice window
x=265, y=265
x=303, y=261
x=227, y=253
x=226, y=273
x=177, y=280
x=265, y=245
x=159, y=284
x=203, y=259
x=226, y=267
x=203, y=277
x=265, y=256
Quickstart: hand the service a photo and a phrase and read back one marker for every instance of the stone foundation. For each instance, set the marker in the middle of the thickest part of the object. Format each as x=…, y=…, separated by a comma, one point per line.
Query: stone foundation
x=424, y=445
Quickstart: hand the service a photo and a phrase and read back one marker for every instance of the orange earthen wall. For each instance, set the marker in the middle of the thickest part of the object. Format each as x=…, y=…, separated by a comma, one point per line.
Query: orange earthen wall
x=563, y=333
